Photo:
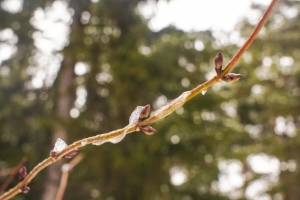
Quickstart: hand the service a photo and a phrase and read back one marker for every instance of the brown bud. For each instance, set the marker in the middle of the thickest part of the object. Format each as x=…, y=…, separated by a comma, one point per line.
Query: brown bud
x=145, y=111
x=218, y=62
x=148, y=130
x=231, y=77
x=53, y=154
x=71, y=154
x=25, y=189
x=22, y=173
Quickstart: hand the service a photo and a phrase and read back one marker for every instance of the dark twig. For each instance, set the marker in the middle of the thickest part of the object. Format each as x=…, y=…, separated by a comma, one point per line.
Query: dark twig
x=66, y=168
x=13, y=173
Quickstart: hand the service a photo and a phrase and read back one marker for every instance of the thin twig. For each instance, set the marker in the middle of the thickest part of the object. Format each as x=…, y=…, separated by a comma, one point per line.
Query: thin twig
x=13, y=173
x=161, y=113
x=250, y=39
x=65, y=176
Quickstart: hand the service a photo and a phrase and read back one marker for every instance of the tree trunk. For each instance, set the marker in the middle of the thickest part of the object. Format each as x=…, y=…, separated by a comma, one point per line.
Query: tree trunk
x=65, y=93
x=64, y=102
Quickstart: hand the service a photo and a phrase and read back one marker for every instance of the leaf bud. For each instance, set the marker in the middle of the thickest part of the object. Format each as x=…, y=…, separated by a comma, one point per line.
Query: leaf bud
x=218, y=62
x=148, y=130
x=53, y=154
x=25, y=189
x=71, y=154
x=22, y=173
x=145, y=111
x=231, y=77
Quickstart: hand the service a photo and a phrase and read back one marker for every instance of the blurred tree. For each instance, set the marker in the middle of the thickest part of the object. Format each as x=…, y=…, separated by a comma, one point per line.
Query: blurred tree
x=268, y=104
x=112, y=63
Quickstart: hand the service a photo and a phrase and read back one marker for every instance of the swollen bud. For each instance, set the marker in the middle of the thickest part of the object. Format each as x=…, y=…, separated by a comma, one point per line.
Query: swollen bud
x=231, y=77
x=218, y=63
x=53, y=154
x=148, y=130
x=22, y=173
x=139, y=114
x=71, y=154
x=25, y=189
x=145, y=111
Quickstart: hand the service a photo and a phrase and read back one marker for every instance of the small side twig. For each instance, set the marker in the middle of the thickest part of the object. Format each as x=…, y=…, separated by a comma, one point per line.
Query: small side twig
x=161, y=113
x=13, y=173
x=250, y=39
x=66, y=168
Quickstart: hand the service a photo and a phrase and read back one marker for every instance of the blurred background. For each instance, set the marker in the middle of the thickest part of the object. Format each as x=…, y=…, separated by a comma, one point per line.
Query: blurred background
x=72, y=69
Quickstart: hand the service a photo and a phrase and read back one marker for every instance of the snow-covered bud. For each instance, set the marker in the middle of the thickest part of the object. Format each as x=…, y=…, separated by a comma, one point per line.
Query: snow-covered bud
x=139, y=114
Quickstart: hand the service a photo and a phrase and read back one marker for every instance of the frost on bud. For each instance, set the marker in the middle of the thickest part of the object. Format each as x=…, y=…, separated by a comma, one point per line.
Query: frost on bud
x=148, y=130
x=218, y=62
x=22, y=173
x=145, y=111
x=139, y=113
x=231, y=77
x=25, y=189
x=71, y=154
x=59, y=145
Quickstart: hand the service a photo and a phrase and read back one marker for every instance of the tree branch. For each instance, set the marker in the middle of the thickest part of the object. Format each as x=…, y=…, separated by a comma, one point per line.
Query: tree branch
x=13, y=173
x=66, y=168
x=159, y=114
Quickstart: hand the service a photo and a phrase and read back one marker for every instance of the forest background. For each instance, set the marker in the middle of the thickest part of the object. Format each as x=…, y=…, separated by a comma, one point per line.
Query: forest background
x=73, y=69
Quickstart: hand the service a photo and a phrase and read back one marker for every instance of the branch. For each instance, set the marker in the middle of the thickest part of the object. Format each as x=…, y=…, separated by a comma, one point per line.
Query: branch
x=250, y=39
x=66, y=168
x=13, y=173
x=159, y=114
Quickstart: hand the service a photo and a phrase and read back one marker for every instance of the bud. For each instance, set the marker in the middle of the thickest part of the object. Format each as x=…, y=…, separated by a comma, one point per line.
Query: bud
x=22, y=173
x=139, y=114
x=145, y=111
x=231, y=77
x=218, y=63
x=148, y=130
x=53, y=154
x=25, y=189
x=71, y=154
